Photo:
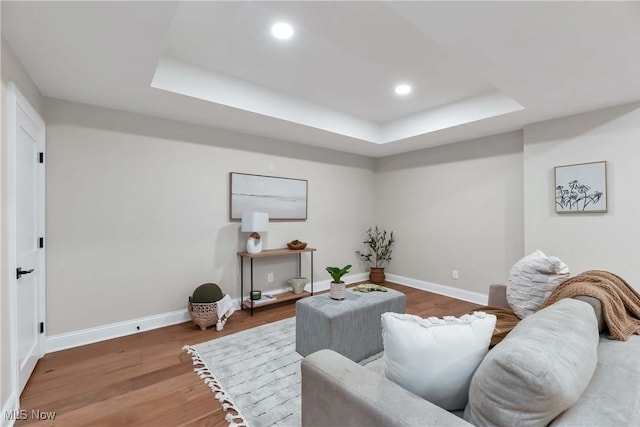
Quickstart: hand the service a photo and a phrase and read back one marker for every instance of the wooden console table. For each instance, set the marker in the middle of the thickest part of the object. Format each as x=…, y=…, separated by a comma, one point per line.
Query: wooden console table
x=286, y=296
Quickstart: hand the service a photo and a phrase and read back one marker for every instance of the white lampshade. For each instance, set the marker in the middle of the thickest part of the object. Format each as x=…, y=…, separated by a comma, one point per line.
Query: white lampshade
x=255, y=221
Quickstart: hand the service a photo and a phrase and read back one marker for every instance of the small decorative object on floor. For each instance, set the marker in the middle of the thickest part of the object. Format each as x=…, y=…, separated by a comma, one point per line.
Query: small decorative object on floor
x=206, y=293
x=370, y=287
x=296, y=245
x=203, y=305
x=379, y=247
x=337, y=286
x=203, y=314
x=209, y=306
x=298, y=283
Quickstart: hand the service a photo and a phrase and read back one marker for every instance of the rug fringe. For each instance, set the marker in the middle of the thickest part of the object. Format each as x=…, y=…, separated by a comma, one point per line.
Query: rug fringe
x=220, y=394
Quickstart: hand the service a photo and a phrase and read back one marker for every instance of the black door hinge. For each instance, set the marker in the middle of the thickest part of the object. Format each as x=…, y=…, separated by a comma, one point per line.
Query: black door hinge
x=42, y=327
x=41, y=157
x=41, y=242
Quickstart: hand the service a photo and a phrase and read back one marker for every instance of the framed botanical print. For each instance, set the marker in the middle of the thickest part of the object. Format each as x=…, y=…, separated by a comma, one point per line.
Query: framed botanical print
x=581, y=188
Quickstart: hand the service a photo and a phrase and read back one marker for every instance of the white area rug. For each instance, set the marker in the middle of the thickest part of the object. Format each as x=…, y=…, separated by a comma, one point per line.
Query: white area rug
x=254, y=372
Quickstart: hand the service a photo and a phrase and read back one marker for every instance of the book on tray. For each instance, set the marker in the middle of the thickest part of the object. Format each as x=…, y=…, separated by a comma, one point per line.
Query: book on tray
x=264, y=299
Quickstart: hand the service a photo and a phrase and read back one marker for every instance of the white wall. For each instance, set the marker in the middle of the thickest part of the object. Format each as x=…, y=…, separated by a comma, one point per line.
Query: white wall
x=11, y=70
x=606, y=241
x=457, y=206
x=137, y=212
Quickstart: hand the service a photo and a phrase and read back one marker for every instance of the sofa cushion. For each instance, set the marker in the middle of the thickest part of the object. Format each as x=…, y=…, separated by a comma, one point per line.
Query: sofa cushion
x=435, y=358
x=531, y=281
x=539, y=370
x=612, y=398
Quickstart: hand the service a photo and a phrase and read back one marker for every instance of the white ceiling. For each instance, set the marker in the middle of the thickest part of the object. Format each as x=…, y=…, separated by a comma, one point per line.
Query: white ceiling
x=477, y=68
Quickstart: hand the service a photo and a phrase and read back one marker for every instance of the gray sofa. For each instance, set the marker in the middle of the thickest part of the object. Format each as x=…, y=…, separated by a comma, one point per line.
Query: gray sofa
x=596, y=379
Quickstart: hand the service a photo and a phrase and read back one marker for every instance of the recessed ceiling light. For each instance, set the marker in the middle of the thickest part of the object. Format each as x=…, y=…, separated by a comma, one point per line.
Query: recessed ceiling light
x=403, y=89
x=282, y=30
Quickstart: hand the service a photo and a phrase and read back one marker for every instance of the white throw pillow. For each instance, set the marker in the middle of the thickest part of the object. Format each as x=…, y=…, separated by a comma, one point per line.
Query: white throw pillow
x=436, y=358
x=531, y=281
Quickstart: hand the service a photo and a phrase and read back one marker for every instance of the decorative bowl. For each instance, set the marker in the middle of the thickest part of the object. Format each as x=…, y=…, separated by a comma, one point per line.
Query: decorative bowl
x=297, y=246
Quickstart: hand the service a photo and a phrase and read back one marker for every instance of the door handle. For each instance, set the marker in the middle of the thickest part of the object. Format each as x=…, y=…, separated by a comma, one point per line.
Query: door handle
x=21, y=272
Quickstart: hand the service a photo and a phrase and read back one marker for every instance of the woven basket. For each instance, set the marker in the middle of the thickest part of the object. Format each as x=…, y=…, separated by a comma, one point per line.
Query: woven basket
x=297, y=246
x=203, y=314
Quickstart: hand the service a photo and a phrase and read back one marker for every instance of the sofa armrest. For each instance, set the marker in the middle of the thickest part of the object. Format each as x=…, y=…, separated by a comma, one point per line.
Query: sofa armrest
x=337, y=391
x=498, y=296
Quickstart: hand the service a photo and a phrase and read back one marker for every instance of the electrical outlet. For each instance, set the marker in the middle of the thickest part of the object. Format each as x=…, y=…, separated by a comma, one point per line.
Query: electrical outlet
x=269, y=277
x=454, y=274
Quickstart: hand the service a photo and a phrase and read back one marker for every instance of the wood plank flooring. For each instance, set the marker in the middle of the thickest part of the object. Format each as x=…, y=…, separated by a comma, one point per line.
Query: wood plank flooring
x=147, y=379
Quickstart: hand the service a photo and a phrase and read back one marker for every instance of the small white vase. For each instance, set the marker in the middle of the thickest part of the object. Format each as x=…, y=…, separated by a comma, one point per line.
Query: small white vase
x=337, y=290
x=298, y=283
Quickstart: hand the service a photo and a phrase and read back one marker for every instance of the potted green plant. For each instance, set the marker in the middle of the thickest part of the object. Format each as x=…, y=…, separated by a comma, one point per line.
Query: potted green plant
x=379, y=245
x=337, y=286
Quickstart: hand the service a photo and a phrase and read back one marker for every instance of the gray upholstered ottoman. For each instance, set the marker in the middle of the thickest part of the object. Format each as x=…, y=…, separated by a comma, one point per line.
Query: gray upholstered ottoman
x=352, y=327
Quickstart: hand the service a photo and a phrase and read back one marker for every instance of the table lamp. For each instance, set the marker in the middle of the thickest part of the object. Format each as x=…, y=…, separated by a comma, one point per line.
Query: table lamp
x=255, y=222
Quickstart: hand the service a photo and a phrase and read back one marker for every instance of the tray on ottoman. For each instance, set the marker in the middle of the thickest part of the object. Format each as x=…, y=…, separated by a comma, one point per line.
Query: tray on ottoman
x=352, y=326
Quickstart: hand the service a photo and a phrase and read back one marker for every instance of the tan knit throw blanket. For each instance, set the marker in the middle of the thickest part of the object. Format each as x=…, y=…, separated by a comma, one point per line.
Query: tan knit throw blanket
x=506, y=320
x=620, y=304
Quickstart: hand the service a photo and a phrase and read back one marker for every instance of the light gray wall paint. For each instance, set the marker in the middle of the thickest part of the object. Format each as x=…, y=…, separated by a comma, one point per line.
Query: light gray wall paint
x=137, y=212
x=456, y=206
x=11, y=71
x=586, y=241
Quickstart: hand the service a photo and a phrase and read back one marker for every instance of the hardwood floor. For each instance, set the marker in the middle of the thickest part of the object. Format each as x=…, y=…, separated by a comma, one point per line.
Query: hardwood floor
x=147, y=379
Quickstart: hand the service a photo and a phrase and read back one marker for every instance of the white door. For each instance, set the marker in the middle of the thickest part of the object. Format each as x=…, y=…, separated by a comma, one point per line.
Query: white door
x=28, y=136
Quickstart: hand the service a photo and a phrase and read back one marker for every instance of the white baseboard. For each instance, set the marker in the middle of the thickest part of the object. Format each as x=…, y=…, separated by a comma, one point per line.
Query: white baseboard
x=470, y=296
x=462, y=294
x=10, y=412
x=114, y=330
x=134, y=326
x=129, y=327
x=358, y=277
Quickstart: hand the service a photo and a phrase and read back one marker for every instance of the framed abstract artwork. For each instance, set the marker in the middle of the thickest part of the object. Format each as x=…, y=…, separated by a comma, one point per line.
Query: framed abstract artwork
x=281, y=198
x=581, y=188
